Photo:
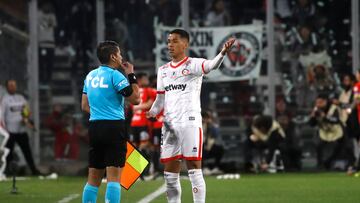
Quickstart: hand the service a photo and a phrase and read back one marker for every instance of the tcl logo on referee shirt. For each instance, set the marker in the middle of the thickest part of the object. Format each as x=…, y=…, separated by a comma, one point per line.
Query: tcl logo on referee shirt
x=96, y=82
x=171, y=87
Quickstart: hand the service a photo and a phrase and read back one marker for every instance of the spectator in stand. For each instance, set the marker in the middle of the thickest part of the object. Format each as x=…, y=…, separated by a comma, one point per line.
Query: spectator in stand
x=55, y=122
x=326, y=116
x=140, y=27
x=353, y=127
x=213, y=144
x=303, y=11
x=46, y=27
x=320, y=78
x=67, y=133
x=73, y=131
x=82, y=26
x=16, y=121
x=316, y=64
x=303, y=42
x=358, y=75
x=282, y=8
x=168, y=12
x=218, y=15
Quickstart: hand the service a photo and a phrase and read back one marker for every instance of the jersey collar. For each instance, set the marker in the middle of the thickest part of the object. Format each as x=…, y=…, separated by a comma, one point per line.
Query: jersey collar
x=105, y=66
x=180, y=63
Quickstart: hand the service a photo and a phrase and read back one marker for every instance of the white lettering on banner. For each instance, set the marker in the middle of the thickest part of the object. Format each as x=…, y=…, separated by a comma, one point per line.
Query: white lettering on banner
x=242, y=62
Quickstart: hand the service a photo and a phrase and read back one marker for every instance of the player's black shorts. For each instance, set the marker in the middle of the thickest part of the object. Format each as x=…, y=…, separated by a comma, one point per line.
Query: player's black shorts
x=107, y=143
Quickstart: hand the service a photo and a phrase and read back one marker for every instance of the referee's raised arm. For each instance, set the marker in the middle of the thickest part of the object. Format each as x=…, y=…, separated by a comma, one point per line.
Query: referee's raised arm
x=133, y=95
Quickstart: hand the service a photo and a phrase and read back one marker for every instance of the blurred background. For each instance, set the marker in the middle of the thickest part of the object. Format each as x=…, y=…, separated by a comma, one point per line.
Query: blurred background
x=288, y=55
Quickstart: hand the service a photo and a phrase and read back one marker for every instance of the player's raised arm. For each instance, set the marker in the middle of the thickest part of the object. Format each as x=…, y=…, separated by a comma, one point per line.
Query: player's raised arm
x=133, y=95
x=215, y=63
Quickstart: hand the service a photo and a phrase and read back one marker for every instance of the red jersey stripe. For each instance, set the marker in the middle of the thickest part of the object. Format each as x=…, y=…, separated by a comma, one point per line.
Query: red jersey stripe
x=200, y=143
x=192, y=158
x=203, y=67
x=179, y=64
x=160, y=92
x=171, y=158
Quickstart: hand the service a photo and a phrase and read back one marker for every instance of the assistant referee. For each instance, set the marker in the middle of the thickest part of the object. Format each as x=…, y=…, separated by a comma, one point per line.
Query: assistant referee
x=105, y=89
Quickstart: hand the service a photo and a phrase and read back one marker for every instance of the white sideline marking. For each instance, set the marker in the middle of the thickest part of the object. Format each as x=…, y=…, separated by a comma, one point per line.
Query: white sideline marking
x=68, y=198
x=153, y=195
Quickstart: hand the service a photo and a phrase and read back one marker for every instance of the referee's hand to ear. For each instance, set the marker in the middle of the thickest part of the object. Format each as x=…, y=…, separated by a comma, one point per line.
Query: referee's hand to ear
x=127, y=67
x=134, y=96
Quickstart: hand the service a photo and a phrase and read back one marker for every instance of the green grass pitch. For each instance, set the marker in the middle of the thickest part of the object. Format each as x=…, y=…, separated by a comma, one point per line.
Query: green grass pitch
x=265, y=188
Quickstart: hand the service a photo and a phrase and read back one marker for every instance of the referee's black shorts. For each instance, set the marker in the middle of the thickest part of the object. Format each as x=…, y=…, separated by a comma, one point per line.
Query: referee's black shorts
x=107, y=143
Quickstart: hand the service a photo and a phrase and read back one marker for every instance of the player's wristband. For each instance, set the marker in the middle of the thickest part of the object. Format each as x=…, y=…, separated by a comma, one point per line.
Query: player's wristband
x=132, y=78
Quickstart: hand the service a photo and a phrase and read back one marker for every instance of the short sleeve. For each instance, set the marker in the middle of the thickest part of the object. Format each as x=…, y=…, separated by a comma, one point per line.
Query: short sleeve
x=160, y=84
x=197, y=66
x=119, y=81
x=24, y=100
x=85, y=86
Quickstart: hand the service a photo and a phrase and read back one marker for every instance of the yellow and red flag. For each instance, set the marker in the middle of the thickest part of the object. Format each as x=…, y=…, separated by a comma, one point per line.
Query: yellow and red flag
x=134, y=166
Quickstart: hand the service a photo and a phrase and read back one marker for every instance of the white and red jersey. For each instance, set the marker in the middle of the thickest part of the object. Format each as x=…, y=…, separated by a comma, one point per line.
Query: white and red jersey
x=181, y=85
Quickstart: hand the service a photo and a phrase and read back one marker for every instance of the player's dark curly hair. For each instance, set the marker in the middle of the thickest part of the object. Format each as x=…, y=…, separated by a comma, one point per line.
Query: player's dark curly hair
x=182, y=33
x=105, y=49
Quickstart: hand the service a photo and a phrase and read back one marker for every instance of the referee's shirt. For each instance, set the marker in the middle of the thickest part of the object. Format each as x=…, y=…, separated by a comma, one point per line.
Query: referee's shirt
x=12, y=106
x=102, y=87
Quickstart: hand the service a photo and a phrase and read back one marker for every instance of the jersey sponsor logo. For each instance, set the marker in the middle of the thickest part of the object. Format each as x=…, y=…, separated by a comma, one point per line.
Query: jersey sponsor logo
x=243, y=57
x=96, y=82
x=123, y=83
x=16, y=108
x=171, y=87
x=191, y=118
x=185, y=72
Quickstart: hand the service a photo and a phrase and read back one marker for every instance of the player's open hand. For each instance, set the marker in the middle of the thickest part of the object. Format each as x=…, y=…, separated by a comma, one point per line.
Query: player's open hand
x=127, y=67
x=227, y=46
